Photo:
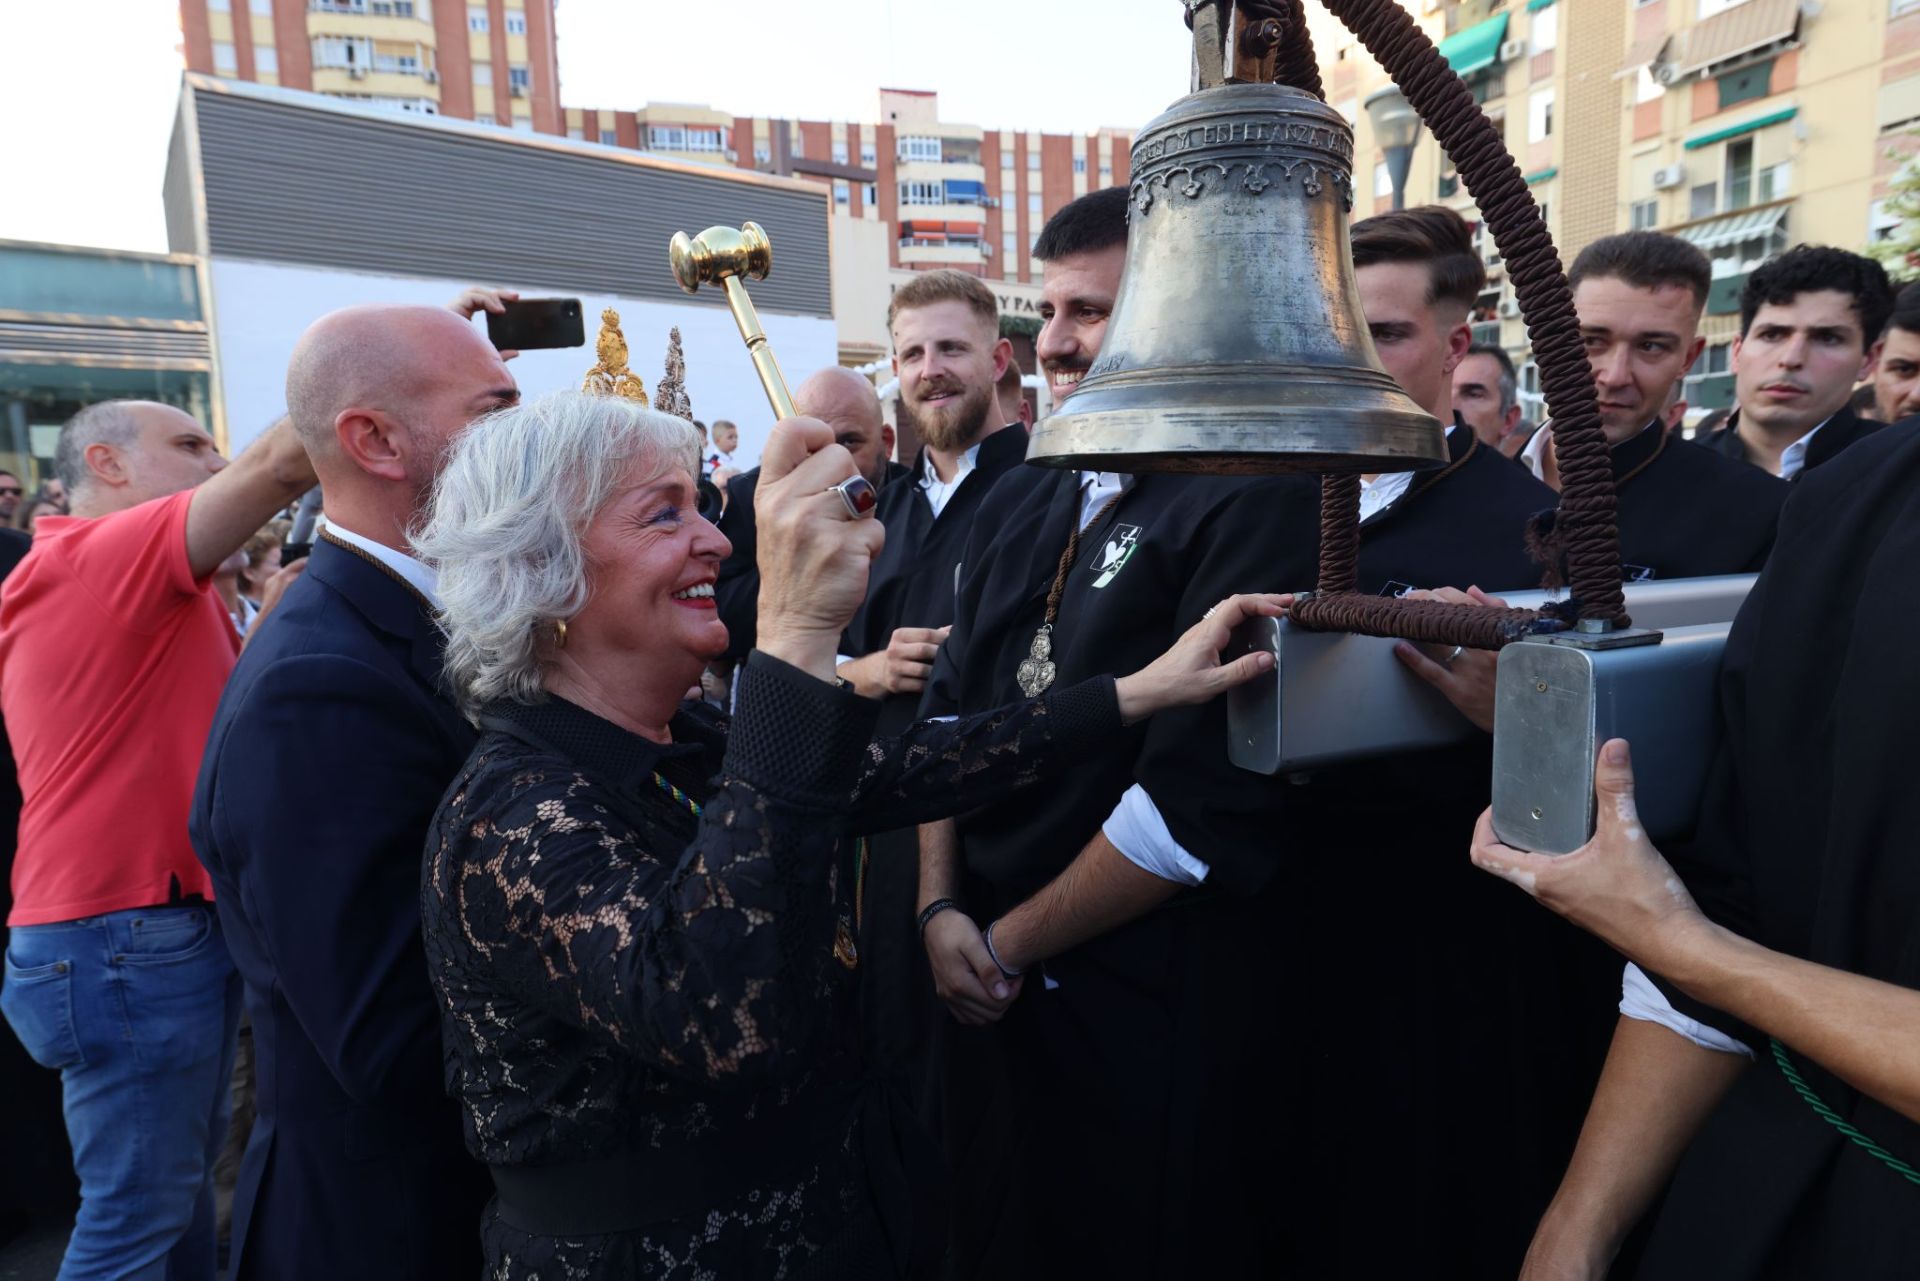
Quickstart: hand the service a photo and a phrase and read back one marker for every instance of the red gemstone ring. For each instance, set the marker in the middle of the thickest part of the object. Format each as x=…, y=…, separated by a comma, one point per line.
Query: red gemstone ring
x=858, y=494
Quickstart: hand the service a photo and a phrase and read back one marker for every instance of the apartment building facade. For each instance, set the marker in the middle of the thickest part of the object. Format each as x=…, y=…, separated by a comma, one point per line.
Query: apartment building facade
x=1745, y=126
x=491, y=61
x=953, y=194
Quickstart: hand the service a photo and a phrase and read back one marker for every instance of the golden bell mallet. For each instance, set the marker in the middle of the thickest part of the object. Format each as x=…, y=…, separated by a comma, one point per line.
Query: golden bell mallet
x=725, y=254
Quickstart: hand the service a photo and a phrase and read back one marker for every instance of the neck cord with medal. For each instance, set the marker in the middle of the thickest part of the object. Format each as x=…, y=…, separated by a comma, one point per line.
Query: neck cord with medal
x=845, y=950
x=1037, y=670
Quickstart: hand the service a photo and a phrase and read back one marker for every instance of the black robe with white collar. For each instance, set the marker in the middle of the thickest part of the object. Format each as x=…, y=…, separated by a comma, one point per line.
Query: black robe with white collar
x=1687, y=512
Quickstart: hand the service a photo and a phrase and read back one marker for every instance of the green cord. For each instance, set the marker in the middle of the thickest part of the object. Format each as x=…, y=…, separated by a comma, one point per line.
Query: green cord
x=1832, y=1118
x=677, y=794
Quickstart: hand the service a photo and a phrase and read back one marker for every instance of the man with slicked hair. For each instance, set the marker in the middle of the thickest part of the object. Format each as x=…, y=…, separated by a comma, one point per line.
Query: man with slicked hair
x=113, y=651
x=1684, y=511
x=1486, y=397
x=332, y=745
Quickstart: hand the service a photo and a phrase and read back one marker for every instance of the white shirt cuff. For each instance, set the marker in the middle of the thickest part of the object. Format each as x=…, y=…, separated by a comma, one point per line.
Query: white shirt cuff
x=1140, y=834
x=1640, y=999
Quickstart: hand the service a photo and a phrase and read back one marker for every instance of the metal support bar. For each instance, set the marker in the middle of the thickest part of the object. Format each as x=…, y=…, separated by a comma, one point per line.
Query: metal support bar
x=1334, y=697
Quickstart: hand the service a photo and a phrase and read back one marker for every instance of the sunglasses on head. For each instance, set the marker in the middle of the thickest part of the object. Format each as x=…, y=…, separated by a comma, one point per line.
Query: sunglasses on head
x=11, y=491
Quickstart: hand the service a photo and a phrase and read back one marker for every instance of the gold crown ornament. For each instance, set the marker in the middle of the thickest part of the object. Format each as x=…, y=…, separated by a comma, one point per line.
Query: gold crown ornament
x=610, y=375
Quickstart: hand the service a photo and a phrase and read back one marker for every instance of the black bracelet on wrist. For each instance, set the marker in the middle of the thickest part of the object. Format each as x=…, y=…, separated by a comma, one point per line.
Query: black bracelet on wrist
x=995, y=956
x=934, y=909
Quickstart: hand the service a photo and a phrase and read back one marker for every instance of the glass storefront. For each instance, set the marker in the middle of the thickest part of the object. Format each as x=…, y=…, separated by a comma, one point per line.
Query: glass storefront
x=36, y=399
x=78, y=326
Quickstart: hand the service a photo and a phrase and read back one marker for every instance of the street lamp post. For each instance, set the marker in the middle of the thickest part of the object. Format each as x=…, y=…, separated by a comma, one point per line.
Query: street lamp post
x=1396, y=127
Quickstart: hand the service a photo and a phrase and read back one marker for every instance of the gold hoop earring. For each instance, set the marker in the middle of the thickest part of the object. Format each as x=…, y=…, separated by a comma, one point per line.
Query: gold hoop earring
x=559, y=633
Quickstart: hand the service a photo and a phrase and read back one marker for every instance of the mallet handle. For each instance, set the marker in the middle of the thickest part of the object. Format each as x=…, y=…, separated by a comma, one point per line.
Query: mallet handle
x=756, y=339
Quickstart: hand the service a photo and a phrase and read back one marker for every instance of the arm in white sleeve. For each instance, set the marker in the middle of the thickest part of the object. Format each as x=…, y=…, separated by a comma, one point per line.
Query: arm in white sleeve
x=1641, y=999
x=1139, y=832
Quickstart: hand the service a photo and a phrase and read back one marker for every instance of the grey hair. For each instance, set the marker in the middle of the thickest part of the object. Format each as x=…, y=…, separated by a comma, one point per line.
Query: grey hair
x=506, y=521
x=107, y=423
x=1509, y=382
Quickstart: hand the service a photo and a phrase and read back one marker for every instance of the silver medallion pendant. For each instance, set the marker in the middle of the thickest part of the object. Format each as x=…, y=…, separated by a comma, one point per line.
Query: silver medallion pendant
x=1037, y=671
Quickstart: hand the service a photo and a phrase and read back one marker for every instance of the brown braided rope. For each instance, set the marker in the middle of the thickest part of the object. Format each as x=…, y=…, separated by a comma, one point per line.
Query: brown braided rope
x=1430, y=622
x=1584, y=532
x=1339, y=533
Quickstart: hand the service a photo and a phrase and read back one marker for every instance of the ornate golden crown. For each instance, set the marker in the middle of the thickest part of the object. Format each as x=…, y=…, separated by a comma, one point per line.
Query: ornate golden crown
x=610, y=375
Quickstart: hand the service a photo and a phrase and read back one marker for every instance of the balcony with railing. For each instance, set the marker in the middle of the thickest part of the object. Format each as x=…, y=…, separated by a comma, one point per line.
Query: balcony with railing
x=370, y=19
x=372, y=8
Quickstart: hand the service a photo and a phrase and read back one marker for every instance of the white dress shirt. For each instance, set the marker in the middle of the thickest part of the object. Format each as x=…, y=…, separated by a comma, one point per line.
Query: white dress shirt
x=415, y=572
x=1135, y=827
x=1794, y=456
x=939, y=491
x=1535, y=454
x=1386, y=489
x=1382, y=492
x=1640, y=999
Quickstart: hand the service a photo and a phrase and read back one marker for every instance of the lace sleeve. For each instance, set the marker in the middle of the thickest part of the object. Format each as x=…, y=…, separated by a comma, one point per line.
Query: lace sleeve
x=936, y=769
x=708, y=959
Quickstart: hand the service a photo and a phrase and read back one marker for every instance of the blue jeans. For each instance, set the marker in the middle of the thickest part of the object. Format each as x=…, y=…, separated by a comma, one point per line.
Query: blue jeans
x=137, y=1011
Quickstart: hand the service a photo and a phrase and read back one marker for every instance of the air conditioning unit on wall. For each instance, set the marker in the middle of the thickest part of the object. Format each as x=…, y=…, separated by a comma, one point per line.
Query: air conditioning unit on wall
x=1509, y=309
x=1669, y=177
x=1513, y=51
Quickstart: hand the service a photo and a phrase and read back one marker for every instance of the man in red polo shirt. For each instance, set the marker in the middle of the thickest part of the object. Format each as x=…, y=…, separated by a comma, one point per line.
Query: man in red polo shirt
x=113, y=651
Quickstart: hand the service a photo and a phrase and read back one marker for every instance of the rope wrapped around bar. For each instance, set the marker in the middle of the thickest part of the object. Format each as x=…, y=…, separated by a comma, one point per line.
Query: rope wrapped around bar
x=1583, y=533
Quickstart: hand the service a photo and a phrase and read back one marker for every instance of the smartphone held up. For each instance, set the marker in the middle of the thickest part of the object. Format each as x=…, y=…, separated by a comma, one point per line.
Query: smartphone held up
x=531, y=324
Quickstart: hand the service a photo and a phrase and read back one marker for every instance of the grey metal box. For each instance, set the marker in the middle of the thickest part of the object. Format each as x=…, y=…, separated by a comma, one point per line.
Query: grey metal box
x=1556, y=704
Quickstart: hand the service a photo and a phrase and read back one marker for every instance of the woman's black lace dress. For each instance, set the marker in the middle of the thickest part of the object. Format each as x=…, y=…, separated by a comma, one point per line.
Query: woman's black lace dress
x=648, y=1016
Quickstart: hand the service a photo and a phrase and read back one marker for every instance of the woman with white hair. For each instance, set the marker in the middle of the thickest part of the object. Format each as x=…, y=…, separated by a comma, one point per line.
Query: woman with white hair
x=640, y=918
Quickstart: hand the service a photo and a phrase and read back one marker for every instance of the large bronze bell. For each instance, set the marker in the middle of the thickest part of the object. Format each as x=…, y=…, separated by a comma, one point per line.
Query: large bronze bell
x=1237, y=344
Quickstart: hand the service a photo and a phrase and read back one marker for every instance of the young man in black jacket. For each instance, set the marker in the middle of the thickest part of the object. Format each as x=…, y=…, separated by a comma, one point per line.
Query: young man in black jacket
x=1810, y=323
x=1684, y=510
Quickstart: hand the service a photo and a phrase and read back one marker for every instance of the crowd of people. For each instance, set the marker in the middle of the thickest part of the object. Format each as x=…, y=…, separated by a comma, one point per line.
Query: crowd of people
x=627, y=863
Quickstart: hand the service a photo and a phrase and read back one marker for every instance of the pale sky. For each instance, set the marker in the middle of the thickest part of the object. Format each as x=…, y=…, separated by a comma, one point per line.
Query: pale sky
x=88, y=98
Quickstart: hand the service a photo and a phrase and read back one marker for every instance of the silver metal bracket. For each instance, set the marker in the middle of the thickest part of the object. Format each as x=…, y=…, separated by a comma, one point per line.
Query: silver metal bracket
x=1622, y=638
x=1555, y=703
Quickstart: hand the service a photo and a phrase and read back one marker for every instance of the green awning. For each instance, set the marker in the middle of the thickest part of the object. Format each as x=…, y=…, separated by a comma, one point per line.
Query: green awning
x=1748, y=224
x=1476, y=48
x=1535, y=6
x=1542, y=175
x=1745, y=126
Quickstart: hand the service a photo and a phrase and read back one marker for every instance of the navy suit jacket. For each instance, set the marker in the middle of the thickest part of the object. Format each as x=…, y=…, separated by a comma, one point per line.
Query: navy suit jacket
x=328, y=756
